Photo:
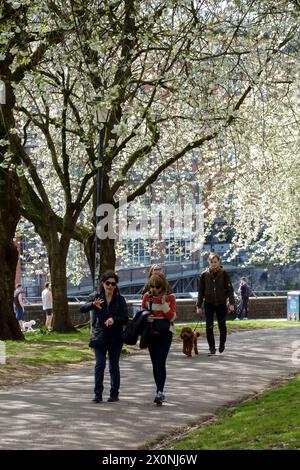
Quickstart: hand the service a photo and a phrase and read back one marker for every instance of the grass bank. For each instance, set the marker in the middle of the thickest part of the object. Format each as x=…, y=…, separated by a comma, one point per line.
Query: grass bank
x=270, y=421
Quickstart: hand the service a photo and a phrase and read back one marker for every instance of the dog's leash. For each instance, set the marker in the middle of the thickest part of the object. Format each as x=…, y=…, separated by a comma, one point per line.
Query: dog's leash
x=196, y=326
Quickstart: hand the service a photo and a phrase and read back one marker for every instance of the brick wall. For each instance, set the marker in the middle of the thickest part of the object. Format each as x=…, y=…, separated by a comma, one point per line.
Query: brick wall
x=259, y=307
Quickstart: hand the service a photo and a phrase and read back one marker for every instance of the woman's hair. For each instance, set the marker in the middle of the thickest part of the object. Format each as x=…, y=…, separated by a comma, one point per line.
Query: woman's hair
x=154, y=266
x=159, y=280
x=212, y=255
x=107, y=275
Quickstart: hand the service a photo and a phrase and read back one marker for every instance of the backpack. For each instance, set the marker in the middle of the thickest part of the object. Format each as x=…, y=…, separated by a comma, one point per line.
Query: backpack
x=249, y=291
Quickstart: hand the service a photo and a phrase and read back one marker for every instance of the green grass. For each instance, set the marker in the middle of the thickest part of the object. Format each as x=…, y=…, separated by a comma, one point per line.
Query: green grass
x=44, y=347
x=45, y=337
x=271, y=421
x=58, y=355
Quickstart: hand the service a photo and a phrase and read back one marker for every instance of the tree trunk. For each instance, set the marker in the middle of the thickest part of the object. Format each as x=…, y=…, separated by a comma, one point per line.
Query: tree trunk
x=89, y=250
x=107, y=255
x=9, y=218
x=57, y=262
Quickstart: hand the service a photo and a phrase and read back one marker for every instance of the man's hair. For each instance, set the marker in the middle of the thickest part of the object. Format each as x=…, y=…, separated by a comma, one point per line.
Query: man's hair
x=47, y=285
x=213, y=255
x=244, y=279
x=18, y=285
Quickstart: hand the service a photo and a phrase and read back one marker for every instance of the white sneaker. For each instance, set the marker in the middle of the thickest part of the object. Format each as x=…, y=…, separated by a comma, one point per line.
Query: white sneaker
x=236, y=318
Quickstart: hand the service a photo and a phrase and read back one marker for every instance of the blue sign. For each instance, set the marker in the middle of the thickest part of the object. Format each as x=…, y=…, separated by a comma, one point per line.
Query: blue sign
x=293, y=305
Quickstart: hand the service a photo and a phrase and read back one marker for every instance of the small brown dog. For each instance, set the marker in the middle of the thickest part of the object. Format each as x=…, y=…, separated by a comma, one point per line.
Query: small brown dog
x=189, y=338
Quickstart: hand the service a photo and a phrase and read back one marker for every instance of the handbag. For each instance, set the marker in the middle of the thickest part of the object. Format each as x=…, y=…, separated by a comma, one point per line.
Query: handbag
x=99, y=338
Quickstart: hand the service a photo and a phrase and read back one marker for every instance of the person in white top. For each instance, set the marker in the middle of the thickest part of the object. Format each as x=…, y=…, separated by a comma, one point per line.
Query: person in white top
x=47, y=305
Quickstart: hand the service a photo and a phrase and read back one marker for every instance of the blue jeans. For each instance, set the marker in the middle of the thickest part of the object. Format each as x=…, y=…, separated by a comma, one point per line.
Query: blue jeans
x=221, y=311
x=114, y=352
x=159, y=349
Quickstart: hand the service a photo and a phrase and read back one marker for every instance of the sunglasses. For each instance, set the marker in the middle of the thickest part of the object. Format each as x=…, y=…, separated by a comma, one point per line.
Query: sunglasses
x=108, y=283
x=154, y=287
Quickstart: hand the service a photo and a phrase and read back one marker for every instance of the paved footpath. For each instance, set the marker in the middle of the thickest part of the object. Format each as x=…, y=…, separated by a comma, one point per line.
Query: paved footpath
x=56, y=412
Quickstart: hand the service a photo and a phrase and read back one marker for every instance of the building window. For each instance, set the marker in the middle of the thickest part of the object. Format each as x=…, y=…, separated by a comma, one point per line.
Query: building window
x=177, y=250
x=136, y=253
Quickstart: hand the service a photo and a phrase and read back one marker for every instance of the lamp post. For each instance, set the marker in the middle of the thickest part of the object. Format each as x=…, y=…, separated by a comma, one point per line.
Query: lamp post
x=2, y=93
x=101, y=114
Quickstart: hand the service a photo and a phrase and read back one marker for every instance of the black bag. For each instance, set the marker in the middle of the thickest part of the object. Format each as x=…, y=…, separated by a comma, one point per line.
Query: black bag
x=130, y=334
x=99, y=338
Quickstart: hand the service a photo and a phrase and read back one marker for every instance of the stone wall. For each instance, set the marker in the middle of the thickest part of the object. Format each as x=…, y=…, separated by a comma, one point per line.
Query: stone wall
x=259, y=307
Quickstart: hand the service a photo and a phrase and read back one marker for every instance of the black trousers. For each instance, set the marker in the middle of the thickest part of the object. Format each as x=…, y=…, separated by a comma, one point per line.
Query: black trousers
x=220, y=311
x=243, y=307
x=159, y=349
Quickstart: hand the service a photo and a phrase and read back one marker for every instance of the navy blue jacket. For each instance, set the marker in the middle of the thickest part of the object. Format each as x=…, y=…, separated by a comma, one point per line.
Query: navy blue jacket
x=116, y=309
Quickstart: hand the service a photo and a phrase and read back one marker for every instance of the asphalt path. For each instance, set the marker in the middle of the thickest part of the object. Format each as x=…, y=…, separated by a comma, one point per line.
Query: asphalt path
x=56, y=412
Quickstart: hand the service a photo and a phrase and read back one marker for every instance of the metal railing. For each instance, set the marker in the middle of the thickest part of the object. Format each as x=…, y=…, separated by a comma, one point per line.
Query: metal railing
x=179, y=295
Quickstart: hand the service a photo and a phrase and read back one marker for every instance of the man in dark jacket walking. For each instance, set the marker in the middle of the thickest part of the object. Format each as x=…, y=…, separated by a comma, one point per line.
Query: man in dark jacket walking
x=215, y=289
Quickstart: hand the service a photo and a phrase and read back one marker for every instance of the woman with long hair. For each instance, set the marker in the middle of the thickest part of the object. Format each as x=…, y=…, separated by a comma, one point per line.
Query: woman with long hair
x=162, y=306
x=155, y=269
x=109, y=312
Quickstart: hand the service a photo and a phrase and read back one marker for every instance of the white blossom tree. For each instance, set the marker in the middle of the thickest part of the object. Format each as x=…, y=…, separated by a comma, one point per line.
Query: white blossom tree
x=174, y=75
x=25, y=36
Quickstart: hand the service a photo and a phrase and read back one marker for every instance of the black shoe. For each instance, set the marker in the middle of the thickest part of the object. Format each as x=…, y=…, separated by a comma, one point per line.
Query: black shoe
x=159, y=398
x=221, y=348
x=97, y=400
x=113, y=399
x=212, y=352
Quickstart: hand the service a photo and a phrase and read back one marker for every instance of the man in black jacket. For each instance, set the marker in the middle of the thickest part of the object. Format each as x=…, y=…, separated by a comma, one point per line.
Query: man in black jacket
x=214, y=289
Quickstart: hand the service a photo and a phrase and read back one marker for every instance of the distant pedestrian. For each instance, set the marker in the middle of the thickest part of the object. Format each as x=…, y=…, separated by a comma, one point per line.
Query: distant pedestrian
x=109, y=314
x=155, y=269
x=47, y=302
x=163, y=311
x=19, y=306
x=215, y=288
x=244, y=293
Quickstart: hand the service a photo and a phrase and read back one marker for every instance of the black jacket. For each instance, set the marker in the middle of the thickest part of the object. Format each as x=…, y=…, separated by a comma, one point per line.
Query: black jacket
x=137, y=326
x=117, y=309
x=215, y=288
